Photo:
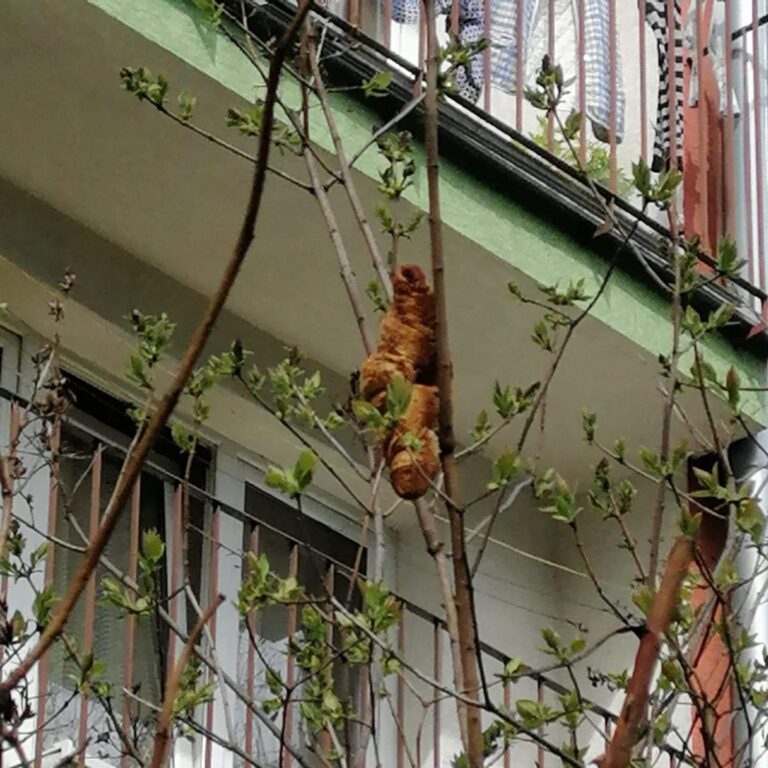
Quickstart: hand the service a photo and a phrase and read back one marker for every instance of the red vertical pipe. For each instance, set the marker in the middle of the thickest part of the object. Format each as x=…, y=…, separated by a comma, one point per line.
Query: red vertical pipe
x=643, y=81
x=213, y=591
x=757, y=86
x=42, y=667
x=437, y=673
x=293, y=570
x=130, y=620
x=90, y=590
x=250, y=683
x=614, y=98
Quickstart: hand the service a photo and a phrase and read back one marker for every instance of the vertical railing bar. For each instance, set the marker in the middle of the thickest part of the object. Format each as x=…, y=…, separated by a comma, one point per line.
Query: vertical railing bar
x=487, y=56
x=614, y=95
x=422, y=52
x=643, y=81
x=519, y=67
x=175, y=579
x=757, y=85
x=437, y=674
x=582, y=40
x=14, y=431
x=387, y=37
x=729, y=153
x=455, y=18
x=355, y=16
x=130, y=620
x=90, y=590
x=326, y=742
x=702, y=127
x=53, y=510
x=293, y=570
x=551, y=54
x=747, y=138
x=250, y=682
x=400, y=705
x=213, y=591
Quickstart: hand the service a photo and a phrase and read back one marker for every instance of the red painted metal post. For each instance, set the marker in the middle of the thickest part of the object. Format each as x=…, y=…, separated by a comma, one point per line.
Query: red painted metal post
x=42, y=667
x=251, y=660
x=387, y=37
x=582, y=63
x=703, y=159
x=614, y=98
x=130, y=620
x=175, y=576
x=213, y=591
x=90, y=590
x=293, y=570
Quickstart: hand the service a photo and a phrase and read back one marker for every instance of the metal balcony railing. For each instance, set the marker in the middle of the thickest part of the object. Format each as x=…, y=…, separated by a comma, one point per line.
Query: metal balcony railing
x=139, y=652
x=680, y=83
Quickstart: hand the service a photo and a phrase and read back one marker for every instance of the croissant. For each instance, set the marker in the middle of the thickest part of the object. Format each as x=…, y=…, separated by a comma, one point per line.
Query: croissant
x=406, y=348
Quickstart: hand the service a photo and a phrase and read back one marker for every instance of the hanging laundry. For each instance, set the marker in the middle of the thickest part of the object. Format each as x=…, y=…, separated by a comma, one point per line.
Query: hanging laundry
x=469, y=79
x=604, y=103
x=511, y=23
x=669, y=117
x=519, y=29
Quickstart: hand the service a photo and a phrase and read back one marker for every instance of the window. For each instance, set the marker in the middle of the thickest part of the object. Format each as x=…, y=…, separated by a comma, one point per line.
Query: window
x=9, y=360
x=320, y=558
x=135, y=652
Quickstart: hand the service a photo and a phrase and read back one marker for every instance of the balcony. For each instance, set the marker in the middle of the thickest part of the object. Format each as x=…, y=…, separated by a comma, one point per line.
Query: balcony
x=88, y=710
x=678, y=84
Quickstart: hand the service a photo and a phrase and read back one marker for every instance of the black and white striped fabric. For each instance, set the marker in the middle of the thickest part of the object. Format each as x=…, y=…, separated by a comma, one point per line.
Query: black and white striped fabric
x=669, y=118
